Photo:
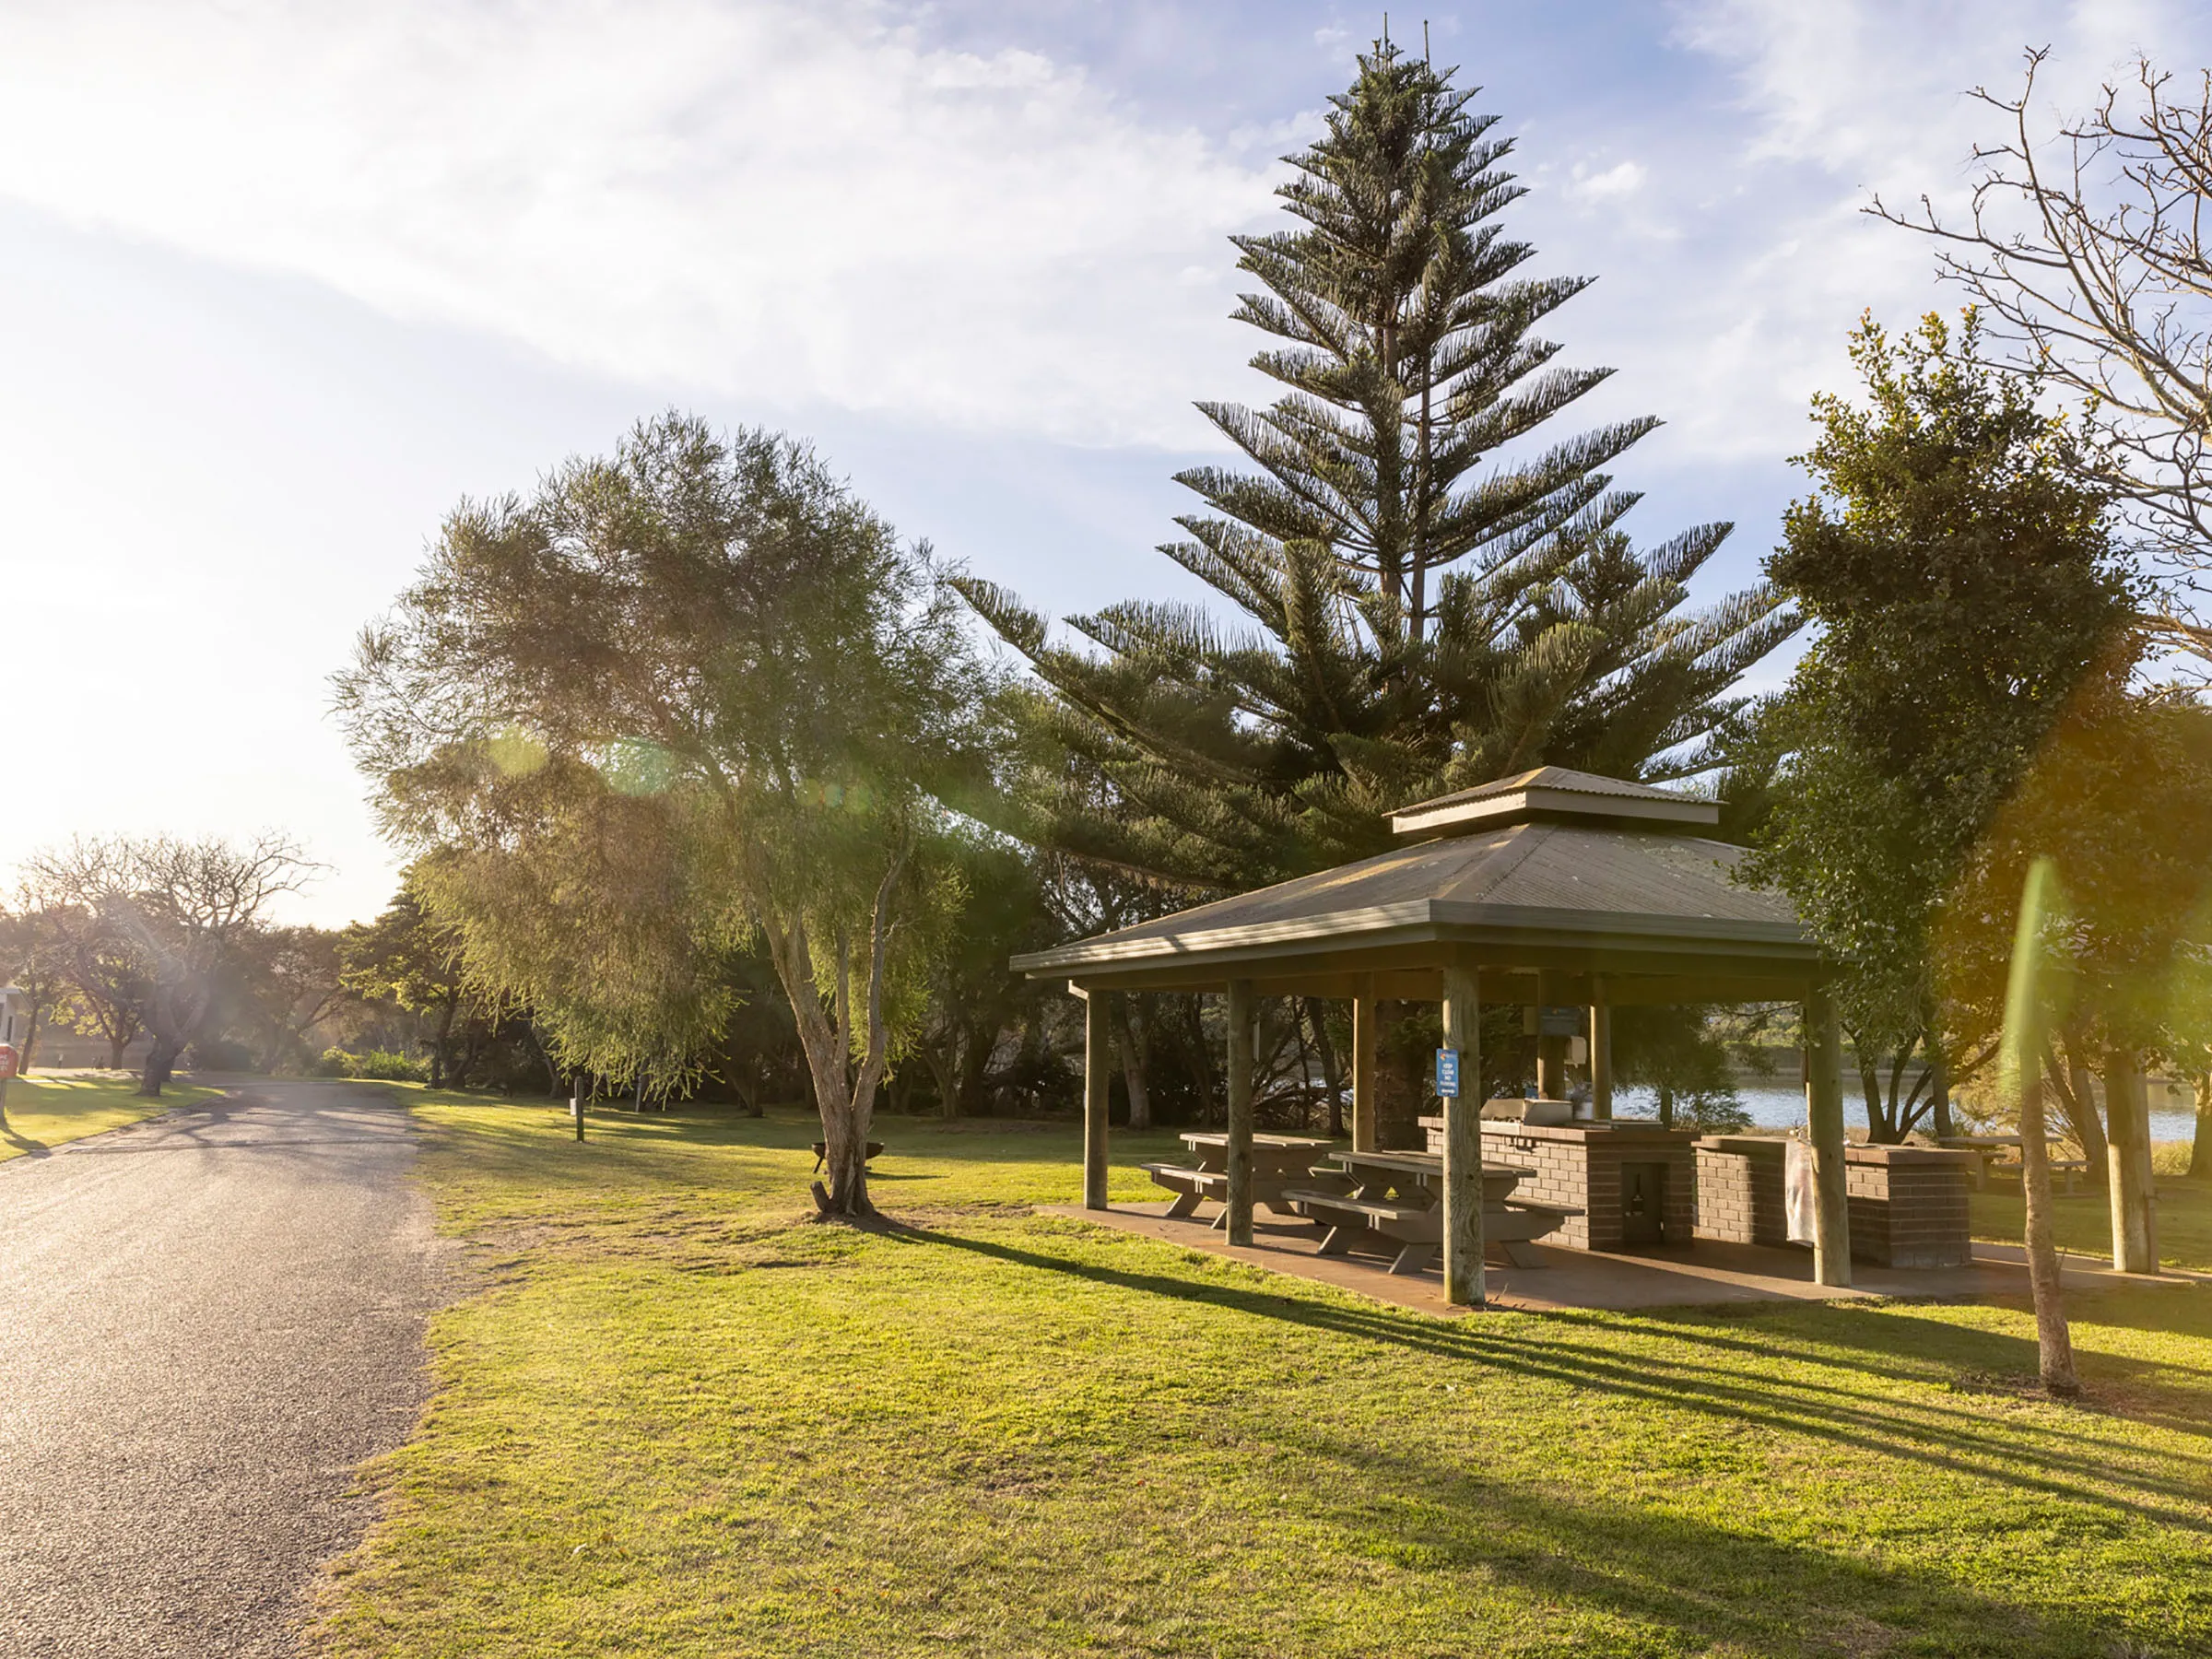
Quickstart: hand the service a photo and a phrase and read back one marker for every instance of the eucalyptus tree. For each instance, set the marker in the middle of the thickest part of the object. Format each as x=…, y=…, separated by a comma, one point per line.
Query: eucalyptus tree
x=1965, y=584
x=706, y=668
x=1427, y=594
x=582, y=905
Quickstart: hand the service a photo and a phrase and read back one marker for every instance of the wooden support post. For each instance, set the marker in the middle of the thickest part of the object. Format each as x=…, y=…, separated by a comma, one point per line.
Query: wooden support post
x=2128, y=1160
x=1824, y=1114
x=1363, y=1069
x=1097, y=1071
x=1240, y=1112
x=1601, y=1051
x=1462, y=1144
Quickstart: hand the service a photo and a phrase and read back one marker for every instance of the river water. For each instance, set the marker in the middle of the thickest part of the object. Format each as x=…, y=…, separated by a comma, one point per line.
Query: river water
x=1774, y=1105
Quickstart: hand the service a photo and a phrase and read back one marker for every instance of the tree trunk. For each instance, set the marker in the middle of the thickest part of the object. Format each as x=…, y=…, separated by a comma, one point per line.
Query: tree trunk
x=2200, y=1146
x=160, y=1062
x=2078, y=1097
x=1199, y=1054
x=2128, y=1169
x=944, y=1073
x=974, y=1069
x=115, y=1047
x=847, y=1103
x=446, y=1033
x=1880, y=1129
x=1128, y=1040
x=2054, y=1342
x=1330, y=1073
x=552, y=1071
x=1939, y=1083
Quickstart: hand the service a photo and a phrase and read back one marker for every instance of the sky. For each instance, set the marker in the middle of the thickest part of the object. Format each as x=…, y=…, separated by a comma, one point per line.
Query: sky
x=282, y=284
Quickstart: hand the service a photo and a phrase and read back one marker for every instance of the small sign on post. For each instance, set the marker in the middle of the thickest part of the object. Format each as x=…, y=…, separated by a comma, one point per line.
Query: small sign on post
x=1447, y=1073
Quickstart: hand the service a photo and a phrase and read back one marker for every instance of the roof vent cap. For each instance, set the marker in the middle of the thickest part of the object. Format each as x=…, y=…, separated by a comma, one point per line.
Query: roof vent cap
x=1553, y=794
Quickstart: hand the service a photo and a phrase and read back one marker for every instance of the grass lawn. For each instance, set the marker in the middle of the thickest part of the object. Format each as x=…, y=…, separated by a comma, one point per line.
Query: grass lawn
x=45, y=1112
x=2084, y=1222
x=677, y=1421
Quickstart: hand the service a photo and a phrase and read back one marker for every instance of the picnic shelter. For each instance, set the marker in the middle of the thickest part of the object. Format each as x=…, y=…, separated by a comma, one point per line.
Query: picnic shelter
x=1550, y=887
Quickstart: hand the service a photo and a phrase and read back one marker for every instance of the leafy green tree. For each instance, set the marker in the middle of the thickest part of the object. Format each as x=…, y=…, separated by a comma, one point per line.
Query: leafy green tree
x=708, y=642
x=286, y=981
x=1426, y=600
x=410, y=959
x=2119, y=801
x=92, y=972
x=34, y=959
x=1676, y=1054
x=1963, y=583
x=582, y=904
x=970, y=999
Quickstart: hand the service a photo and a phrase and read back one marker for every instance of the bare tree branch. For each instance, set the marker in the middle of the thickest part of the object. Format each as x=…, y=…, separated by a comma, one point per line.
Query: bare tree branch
x=2088, y=246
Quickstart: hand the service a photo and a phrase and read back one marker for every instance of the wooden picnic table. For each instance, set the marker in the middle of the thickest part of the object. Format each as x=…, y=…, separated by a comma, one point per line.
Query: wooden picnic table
x=1217, y=1140
x=1410, y=1173
x=1994, y=1150
x=1990, y=1148
x=1391, y=1201
x=1277, y=1160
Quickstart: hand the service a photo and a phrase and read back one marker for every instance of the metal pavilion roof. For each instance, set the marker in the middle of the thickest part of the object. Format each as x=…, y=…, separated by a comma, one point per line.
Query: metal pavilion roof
x=1555, y=871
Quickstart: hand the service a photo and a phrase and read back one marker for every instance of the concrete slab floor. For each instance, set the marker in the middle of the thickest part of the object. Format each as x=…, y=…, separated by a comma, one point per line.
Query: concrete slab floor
x=1705, y=1274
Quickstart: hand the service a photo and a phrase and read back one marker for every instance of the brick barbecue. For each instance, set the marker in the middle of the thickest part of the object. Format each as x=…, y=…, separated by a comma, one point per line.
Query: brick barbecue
x=1908, y=1204
x=1597, y=1167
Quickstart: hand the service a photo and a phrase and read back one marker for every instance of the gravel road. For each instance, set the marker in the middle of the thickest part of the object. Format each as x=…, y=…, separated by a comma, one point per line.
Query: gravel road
x=205, y=1322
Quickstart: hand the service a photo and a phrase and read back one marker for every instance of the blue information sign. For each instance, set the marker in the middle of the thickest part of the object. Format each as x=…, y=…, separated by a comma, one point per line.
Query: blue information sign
x=1447, y=1073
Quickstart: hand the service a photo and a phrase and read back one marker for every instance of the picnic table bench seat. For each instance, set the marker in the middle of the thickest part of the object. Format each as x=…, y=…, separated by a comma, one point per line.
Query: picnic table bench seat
x=1374, y=1209
x=1188, y=1183
x=1193, y=1183
x=1417, y=1228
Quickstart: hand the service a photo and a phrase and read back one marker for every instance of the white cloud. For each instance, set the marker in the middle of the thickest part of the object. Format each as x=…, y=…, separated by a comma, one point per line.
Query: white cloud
x=771, y=198
x=1613, y=184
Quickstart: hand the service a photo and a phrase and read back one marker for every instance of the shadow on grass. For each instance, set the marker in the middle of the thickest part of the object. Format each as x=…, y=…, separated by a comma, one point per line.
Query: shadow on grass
x=25, y=1145
x=1955, y=1438
x=1734, y=1587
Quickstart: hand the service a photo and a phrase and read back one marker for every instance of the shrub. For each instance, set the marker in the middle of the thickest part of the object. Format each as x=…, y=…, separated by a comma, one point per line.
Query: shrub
x=221, y=1054
x=335, y=1062
x=387, y=1067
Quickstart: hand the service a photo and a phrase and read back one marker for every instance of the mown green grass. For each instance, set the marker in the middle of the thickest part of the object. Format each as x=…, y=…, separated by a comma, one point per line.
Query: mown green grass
x=2083, y=1223
x=677, y=1419
x=45, y=1112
